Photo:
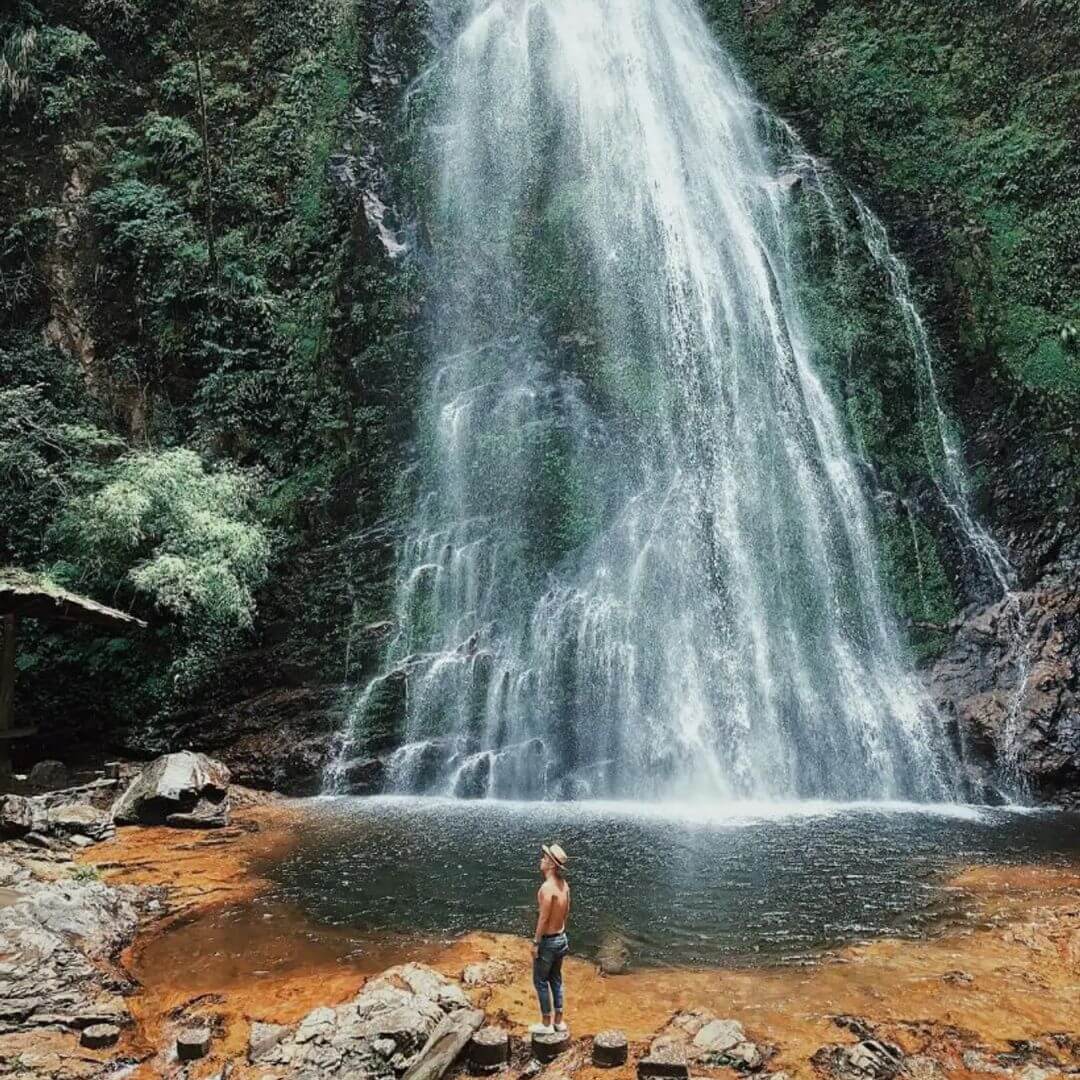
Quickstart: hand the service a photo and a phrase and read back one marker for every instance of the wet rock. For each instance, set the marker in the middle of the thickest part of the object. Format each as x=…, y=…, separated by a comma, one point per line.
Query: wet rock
x=870, y=1059
x=16, y=815
x=790, y=183
x=193, y=1043
x=487, y=973
x=46, y=775
x=610, y=1048
x=99, y=1036
x=364, y=776
x=183, y=789
x=1030, y=725
x=613, y=955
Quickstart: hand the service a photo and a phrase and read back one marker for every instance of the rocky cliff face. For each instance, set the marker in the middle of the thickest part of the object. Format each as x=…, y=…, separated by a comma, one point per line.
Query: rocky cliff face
x=1011, y=681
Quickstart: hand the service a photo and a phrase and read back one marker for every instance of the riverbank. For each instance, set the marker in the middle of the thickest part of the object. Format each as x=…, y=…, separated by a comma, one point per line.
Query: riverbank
x=1009, y=976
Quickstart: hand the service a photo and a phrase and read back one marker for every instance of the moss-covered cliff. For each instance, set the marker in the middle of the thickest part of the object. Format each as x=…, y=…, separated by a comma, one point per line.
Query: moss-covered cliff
x=958, y=123
x=205, y=356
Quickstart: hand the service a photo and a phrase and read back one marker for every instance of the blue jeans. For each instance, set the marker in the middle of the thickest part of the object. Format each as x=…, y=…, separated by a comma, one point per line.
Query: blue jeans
x=547, y=971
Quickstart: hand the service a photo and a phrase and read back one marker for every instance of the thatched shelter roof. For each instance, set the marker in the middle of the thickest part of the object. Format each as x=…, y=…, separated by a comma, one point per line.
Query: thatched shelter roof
x=36, y=597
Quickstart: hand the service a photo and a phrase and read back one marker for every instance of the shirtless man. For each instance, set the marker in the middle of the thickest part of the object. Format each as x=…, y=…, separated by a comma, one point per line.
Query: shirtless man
x=549, y=943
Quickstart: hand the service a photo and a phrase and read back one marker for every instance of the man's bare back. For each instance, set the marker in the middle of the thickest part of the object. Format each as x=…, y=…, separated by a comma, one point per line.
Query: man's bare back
x=553, y=899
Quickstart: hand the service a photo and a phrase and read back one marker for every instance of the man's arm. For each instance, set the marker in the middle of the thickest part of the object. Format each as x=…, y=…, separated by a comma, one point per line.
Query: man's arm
x=545, y=900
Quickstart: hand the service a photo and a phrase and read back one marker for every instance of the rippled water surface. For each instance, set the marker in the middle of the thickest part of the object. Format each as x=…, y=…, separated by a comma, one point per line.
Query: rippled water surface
x=702, y=884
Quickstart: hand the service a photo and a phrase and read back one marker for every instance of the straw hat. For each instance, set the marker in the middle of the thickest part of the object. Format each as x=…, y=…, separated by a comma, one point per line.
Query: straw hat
x=556, y=854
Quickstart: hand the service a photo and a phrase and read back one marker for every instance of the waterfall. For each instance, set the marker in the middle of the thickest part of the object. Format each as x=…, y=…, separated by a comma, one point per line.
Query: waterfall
x=640, y=561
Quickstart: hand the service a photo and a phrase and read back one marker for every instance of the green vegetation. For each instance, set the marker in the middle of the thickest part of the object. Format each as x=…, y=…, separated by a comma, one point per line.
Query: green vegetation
x=206, y=357
x=957, y=122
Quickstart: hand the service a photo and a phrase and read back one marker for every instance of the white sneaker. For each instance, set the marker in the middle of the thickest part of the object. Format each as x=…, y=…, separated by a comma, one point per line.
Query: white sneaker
x=561, y=1027
x=541, y=1029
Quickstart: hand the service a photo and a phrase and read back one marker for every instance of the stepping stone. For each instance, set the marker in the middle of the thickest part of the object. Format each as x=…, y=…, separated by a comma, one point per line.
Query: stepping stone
x=98, y=1036
x=609, y=1048
x=489, y=1050
x=547, y=1048
x=193, y=1043
x=667, y=1060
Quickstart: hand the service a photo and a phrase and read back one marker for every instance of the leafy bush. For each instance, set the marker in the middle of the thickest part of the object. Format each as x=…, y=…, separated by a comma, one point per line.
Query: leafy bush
x=183, y=536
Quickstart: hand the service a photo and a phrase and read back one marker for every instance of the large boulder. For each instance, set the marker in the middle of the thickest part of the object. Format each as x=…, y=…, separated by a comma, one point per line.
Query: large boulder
x=411, y=1016
x=183, y=789
x=1011, y=682
x=55, y=940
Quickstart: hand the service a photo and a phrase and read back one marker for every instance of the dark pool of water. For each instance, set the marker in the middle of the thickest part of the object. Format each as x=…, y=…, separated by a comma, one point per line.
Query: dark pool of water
x=697, y=885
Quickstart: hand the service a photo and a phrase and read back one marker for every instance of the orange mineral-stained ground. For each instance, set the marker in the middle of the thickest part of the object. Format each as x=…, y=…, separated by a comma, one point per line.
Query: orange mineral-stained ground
x=1010, y=973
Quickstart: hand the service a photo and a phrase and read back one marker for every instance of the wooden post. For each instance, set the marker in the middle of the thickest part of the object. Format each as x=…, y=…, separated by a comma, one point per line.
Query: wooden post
x=7, y=694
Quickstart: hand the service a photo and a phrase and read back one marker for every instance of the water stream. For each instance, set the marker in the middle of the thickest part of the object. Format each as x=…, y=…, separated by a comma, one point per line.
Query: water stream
x=640, y=561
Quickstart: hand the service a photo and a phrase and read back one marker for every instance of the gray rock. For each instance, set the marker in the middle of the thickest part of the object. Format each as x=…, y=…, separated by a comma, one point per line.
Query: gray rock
x=46, y=775
x=16, y=815
x=183, y=789
x=613, y=955
x=746, y=1057
x=193, y=1043
x=790, y=183
x=425, y=983
x=719, y=1036
x=870, y=1059
x=54, y=939
x=445, y=1045
x=379, y=1034
x=99, y=1036
x=263, y=1040
x=79, y=819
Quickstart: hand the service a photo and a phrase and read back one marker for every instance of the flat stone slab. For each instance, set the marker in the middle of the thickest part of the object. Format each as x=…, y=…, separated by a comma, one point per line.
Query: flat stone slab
x=489, y=1050
x=99, y=1036
x=547, y=1048
x=192, y=1044
x=668, y=1060
x=610, y=1048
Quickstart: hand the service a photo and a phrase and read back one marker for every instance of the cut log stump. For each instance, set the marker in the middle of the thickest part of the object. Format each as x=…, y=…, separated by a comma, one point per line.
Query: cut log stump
x=667, y=1061
x=192, y=1044
x=547, y=1048
x=489, y=1051
x=609, y=1049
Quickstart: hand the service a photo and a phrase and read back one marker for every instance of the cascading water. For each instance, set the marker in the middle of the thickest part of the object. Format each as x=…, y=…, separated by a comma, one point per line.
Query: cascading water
x=640, y=561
